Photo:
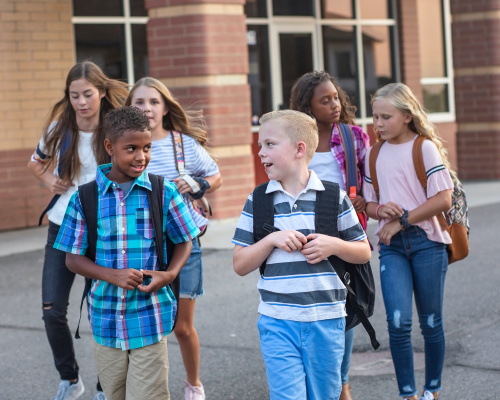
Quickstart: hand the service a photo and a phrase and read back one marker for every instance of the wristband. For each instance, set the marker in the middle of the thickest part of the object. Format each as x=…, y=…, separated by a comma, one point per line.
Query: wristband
x=378, y=208
x=204, y=186
x=404, y=220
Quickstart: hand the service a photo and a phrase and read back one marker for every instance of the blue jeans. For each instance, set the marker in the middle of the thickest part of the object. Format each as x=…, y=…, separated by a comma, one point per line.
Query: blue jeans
x=57, y=280
x=413, y=264
x=346, y=361
x=302, y=358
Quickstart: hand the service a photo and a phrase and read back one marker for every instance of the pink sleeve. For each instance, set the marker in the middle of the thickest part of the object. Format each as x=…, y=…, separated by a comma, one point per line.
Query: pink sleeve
x=438, y=177
x=368, y=191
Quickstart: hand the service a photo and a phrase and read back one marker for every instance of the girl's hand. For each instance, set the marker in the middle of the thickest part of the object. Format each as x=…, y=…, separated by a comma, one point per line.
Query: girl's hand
x=388, y=231
x=159, y=279
x=359, y=203
x=288, y=240
x=318, y=247
x=57, y=185
x=182, y=186
x=390, y=211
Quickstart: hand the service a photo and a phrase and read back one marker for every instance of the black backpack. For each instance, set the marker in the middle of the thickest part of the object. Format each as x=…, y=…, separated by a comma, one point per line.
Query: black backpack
x=357, y=278
x=88, y=198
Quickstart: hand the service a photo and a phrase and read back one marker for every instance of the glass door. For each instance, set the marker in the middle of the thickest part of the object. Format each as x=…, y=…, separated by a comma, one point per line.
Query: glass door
x=292, y=55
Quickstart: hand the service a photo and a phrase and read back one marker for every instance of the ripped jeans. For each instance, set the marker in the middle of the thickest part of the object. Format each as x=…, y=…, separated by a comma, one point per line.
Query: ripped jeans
x=413, y=264
x=57, y=280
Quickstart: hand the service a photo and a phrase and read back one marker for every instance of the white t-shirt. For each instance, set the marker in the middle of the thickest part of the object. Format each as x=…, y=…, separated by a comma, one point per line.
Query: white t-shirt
x=327, y=168
x=87, y=173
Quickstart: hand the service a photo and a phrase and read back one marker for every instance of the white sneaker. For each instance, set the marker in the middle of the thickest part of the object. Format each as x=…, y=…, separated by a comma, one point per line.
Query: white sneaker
x=99, y=396
x=194, y=392
x=427, y=396
x=70, y=391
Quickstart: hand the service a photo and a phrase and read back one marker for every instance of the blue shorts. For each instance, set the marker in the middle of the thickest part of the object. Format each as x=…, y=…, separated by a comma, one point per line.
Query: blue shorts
x=192, y=274
x=297, y=354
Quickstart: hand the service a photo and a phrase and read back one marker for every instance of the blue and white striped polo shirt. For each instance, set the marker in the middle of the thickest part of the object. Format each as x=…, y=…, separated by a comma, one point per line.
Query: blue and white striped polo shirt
x=291, y=288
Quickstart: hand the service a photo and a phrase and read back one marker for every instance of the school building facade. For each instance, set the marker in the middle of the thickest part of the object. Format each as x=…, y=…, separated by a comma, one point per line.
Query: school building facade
x=238, y=59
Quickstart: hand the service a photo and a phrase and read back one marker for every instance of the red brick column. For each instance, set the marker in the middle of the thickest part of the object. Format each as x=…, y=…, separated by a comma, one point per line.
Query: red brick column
x=198, y=49
x=409, y=46
x=476, y=58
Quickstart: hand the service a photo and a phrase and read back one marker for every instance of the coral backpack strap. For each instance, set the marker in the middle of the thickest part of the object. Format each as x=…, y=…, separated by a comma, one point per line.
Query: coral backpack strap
x=373, y=166
x=87, y=194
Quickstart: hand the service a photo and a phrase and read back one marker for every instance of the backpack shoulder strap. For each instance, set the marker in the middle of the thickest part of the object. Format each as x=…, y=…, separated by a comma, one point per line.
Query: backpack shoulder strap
x=87, y=194
x=155, y=200
x=326, y=209
x=65, y=144
x=418, y=160
x=351, y=166
x=178, y=152
x=373, y=166
x=263, y=216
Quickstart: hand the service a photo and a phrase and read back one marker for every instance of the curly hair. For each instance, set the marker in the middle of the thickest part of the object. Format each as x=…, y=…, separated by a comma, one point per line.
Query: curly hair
x=303, y=91
x=124, y=119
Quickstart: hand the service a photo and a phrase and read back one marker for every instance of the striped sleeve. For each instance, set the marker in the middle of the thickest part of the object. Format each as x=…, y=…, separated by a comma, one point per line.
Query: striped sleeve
x=349, y=227
x=72, y=236
x=243, y=235
x=438, y=177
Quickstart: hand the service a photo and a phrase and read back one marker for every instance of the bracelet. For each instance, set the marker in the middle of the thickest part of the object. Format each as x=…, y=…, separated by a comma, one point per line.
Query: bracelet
x=204, y=186
x=404, y=220
x=378, y=208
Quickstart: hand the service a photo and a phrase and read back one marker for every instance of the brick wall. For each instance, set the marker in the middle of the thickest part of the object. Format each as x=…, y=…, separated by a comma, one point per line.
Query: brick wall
x=36, y=43
x=476, y=34
x=198, y=49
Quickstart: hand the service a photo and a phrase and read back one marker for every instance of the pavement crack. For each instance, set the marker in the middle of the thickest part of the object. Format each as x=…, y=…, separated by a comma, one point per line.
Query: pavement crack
x=492, y=369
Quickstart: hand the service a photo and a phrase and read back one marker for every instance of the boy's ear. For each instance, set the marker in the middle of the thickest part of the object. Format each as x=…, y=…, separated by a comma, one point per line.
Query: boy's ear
x=108, y=145
x=301, y=149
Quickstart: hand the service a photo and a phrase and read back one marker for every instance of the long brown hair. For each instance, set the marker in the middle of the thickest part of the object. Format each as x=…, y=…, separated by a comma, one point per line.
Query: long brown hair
x=188, y=122
x=303, y=91
x=64, y=117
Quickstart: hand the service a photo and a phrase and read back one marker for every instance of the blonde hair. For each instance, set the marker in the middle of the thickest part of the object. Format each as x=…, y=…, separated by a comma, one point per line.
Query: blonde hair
x=298, y=127
x=403, y=99
x=190, y=122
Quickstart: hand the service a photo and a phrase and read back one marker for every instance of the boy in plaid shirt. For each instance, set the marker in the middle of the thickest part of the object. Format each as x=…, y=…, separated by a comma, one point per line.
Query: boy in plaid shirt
x=131, y=308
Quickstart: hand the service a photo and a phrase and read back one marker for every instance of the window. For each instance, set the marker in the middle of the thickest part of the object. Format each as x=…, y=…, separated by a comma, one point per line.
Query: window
x=354, y=40
x=435, y=61
x=112, y=33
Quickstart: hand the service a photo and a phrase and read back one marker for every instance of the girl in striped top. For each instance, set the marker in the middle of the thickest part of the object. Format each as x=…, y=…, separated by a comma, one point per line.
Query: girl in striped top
x=413, y=257
x=166, y=116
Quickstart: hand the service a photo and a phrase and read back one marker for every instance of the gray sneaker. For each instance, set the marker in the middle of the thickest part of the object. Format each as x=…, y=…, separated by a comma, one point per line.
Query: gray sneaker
x=99, y=396
x=69, y=391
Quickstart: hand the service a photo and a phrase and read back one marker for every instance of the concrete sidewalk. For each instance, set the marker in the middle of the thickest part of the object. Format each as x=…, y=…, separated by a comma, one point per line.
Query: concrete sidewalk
x=220, y=232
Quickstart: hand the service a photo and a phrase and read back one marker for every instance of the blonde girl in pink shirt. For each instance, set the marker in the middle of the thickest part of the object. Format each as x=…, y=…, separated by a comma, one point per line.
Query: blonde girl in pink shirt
x=413, y=257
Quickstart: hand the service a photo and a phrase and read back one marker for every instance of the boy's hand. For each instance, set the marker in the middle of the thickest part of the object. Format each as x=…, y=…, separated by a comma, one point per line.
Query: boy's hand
x=182, y=186
x=126, y=278
x=390, y=211
x=359, y=203
x=288, y=240
x=388, y=231
x=159, y=279
x=318, y=247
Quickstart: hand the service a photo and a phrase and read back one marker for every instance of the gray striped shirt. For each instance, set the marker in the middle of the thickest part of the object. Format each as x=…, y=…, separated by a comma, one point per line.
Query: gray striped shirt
x=293, y=289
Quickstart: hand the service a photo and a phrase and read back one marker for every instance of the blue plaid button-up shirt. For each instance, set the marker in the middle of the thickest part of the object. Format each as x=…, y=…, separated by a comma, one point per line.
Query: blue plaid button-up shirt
x=121, y=318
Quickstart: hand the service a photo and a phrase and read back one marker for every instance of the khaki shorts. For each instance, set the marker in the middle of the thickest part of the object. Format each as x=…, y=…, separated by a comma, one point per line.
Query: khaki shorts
x=133, y=374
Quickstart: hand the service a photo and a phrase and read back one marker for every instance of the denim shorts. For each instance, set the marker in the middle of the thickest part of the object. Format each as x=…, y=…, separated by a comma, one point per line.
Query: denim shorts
x=192, y=274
